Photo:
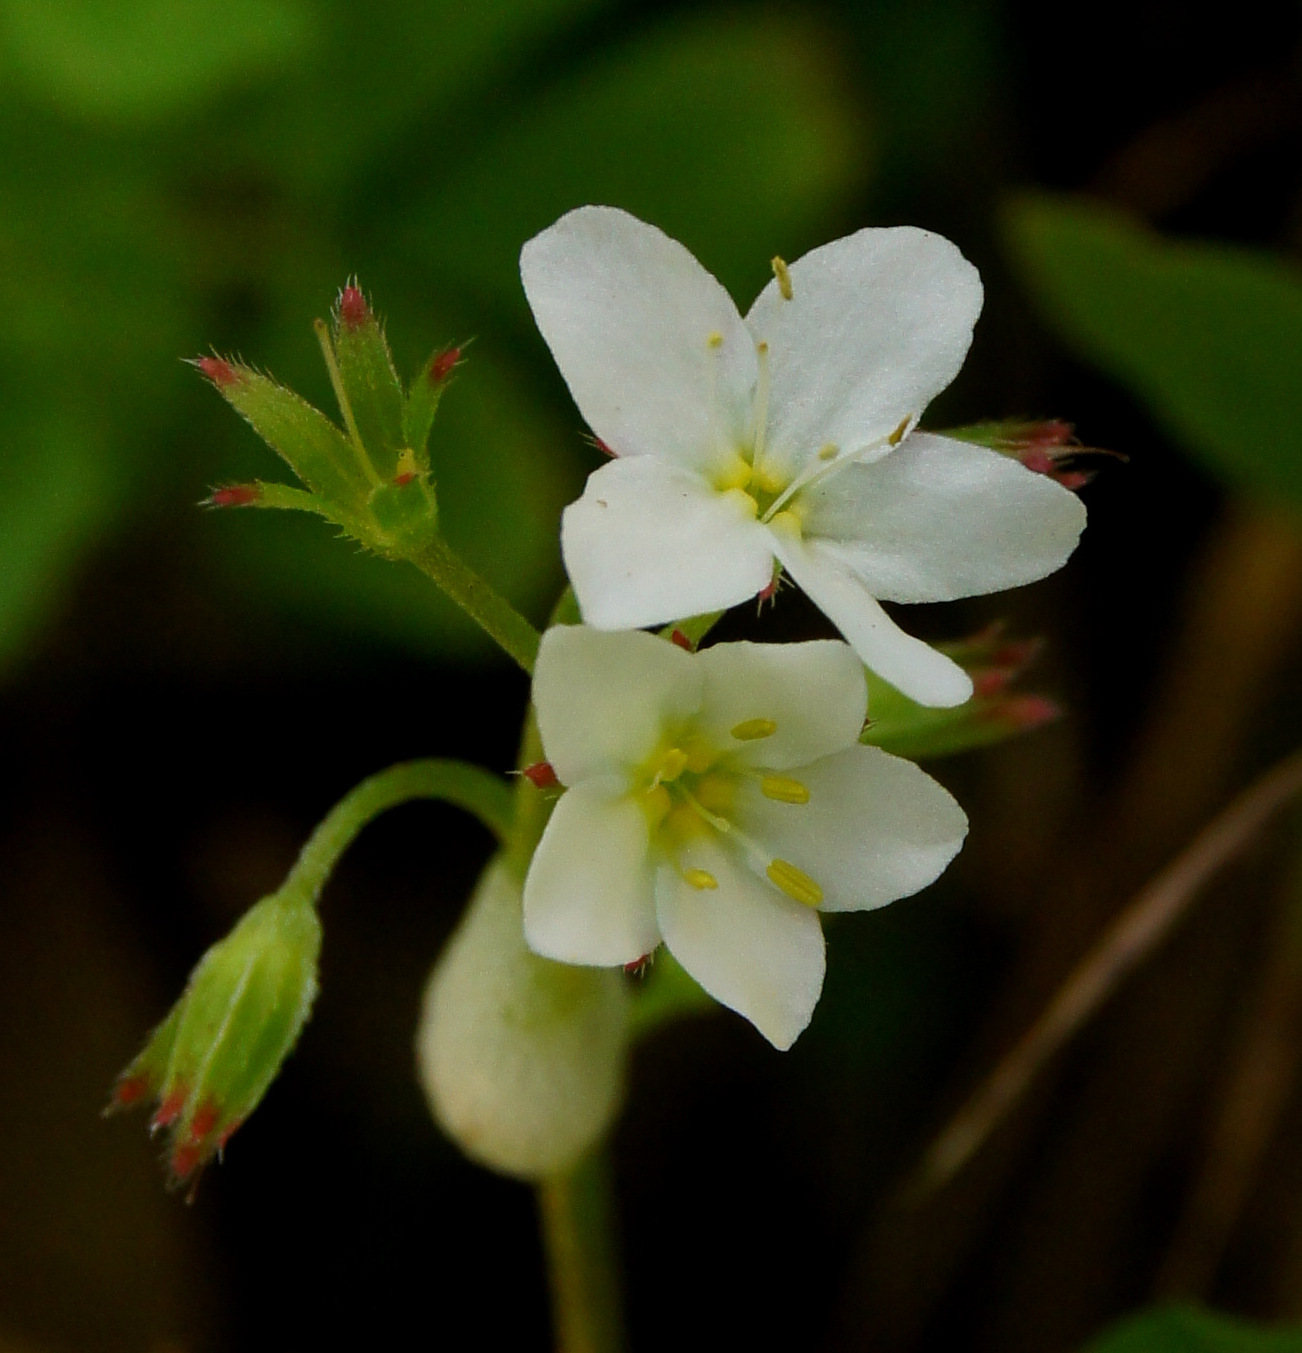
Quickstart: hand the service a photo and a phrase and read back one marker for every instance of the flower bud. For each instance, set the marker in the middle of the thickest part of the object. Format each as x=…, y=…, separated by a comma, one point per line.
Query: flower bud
x=522, y=1059
x=211, y=1060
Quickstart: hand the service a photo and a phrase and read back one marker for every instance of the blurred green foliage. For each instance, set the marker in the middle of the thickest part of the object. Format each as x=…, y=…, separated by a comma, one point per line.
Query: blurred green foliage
x=1185, y=1329
x=174, y=178
x=1208, y=335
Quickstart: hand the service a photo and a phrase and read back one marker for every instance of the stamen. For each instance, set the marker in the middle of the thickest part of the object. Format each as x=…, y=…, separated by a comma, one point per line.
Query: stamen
x=700, y=878
x=788, y=522
x=784, y=789
x=672, y=764
x=744, y=501
x=735, y=474
x=760, y=426
x=795, y=883
x=828, y=451
x=783, y=274
x=714, y=339
x=656, y=804
x=897, y=436
x=716, y=792
x=750, y=729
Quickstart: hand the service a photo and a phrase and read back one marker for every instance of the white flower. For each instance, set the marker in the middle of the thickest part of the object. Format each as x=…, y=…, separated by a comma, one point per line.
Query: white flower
x=789, y=434
x=522, y=1060
x=718, y=801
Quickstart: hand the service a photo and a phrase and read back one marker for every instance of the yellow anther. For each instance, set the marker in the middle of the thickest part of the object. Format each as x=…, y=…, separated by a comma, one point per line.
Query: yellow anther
x=769, y=480
x=788, y=522
x=714, y=339
x=750, y=729
x=828, y=451
x=783, y=274
x=715, y=793
x=797, y=885
x=784, y=789
x=656, y=803
x=672, y=764
x=735, y=474
x=700, y=878
x=897, y=436
x=744, y=501
x=406, y=468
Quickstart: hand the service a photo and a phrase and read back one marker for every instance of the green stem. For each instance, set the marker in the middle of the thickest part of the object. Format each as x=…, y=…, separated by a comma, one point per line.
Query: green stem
x=478, y=791
x=480, y=601
x=577, y=1215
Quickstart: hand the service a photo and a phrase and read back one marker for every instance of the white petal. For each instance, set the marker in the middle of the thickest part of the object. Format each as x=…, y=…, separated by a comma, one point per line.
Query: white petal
x=875, y=828
x=939, y=519
x=649, y=543
x=814, y=692
x=753, y=949
x=603, y=700
x=589, y=893
x=522, y=1059
x=878, y=325
x=628, y=314
x=907, y=663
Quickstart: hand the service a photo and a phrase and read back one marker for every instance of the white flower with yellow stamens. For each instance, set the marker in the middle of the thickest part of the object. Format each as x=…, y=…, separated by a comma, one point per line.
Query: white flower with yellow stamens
x=788, y=435
x=718, y=801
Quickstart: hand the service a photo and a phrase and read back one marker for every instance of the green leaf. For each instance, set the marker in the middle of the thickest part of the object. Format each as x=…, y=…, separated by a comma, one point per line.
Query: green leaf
x=1185, y=1329
x=1209, y=336
x=138, y=59
x=728, y=134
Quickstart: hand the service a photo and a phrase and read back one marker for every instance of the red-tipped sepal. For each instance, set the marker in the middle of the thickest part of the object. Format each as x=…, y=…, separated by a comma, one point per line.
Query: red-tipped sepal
x=423, y=399
x=995, y=712
x=209, y=1063
x=370, y=384
x=1048, y=446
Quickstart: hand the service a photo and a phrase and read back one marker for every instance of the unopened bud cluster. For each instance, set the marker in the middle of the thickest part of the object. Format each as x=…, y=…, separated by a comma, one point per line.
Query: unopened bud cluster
x=211, y=1060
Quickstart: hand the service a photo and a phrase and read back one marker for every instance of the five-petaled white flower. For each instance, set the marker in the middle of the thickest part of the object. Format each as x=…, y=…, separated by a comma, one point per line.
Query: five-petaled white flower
x=789, y=434
x=717, y=801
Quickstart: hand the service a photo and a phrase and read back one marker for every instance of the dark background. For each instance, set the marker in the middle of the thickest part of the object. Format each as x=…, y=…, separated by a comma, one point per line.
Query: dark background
x=185, y=693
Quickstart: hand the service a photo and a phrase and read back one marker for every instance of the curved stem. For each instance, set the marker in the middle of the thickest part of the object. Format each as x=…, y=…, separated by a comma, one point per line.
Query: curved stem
x=577, y=1216
x=478, y=791
x=483, y=603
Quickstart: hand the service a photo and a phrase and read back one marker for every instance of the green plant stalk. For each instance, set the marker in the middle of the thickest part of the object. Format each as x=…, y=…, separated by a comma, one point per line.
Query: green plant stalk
x=480, y=792
x=495, y=615
x=576, y=1211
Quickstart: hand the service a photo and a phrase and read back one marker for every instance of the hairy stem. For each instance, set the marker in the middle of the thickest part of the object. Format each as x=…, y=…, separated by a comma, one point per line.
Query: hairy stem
x=577, y=1215
x=496, y=616
x=478, y=791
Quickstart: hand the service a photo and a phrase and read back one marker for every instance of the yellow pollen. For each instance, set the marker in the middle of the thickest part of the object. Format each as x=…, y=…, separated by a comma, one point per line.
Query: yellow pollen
x=750, y=729
x=656, y=803
x=784, y=789
x=714, y=793
x=795, y=883
x=700, y=878
x=744, y=501
x=714, y=340
x=734, y=475
x=783, y=274
x=897, y=436
x=789, y=522
x=828, y=451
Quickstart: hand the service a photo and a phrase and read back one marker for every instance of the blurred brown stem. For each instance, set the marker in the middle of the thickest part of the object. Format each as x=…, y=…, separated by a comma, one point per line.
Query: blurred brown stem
x=1131, y=937
x=1254, y=1096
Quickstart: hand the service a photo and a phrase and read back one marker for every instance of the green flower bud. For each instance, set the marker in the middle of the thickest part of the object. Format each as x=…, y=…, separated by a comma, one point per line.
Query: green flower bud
x=211, y=1060
x=522, y=1059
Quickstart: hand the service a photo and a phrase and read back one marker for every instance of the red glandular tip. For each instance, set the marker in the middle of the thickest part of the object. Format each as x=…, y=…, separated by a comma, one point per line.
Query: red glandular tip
x=353, y=310
x=130, y=1091
x=541, y=775
x=604, y=448
x=235, y=495
x=218, y=370
x=168, y=1111
x=402, y=480
x=639, y=966
x=441, y=367
x=1024, y=712
x=991, y=682
x=679, y=638
x=184, y=1160
x=203, y=1122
